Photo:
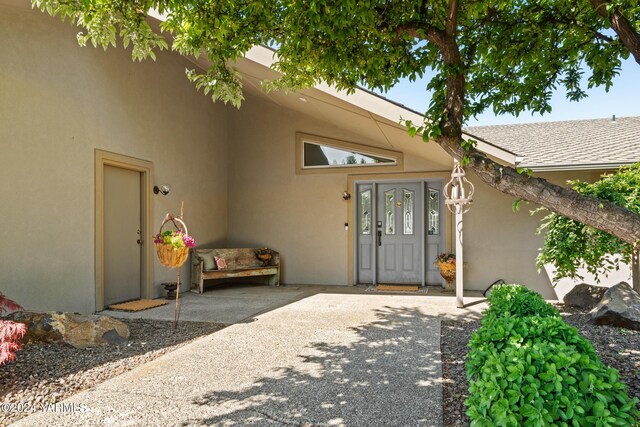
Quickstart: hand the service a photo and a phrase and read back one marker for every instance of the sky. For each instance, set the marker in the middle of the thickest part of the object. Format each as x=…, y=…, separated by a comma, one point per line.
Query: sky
x=623, y=100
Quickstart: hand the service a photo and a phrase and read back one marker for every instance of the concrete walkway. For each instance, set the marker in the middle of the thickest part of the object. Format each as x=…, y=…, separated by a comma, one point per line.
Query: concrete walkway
x=327, y=359
x=237, y=303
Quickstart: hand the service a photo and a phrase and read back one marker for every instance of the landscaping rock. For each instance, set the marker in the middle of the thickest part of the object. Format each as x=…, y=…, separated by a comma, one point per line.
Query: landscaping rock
x=584, y=296
x=50, y=373
x=620, y=306
x=77, y=330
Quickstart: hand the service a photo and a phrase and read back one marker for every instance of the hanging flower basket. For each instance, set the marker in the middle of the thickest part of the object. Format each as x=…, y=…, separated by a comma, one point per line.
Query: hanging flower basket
x=447, y=265
x=171, y=257
x=172, y=247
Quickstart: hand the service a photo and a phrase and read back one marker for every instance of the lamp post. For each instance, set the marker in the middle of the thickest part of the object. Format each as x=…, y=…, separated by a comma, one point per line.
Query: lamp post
x=458, y=196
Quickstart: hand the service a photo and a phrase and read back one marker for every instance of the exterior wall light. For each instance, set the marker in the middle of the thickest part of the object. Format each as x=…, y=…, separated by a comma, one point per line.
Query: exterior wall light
x=164, y=190
x=346, y=195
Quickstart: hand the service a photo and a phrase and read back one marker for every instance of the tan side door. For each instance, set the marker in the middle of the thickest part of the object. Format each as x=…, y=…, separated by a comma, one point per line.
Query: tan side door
x=122, y=244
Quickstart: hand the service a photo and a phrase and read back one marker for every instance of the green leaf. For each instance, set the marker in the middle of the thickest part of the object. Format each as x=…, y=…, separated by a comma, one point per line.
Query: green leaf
x=515, y=206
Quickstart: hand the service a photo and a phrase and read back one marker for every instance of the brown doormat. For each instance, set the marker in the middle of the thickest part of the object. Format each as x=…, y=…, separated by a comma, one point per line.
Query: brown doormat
x=139, y=305
x=398, y=288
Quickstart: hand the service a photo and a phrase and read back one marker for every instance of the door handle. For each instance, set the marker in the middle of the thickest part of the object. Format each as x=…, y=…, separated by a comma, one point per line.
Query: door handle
x=379, y=237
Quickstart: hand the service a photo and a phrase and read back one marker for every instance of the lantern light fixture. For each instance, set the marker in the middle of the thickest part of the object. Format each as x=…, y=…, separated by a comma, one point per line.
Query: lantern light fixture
x=458, y=192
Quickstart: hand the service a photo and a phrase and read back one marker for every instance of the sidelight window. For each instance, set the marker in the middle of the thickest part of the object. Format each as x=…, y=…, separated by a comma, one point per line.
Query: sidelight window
x=433, y=214
x=365, y=212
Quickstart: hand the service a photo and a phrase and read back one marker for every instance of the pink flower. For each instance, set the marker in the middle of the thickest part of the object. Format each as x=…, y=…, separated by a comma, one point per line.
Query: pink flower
x=188, y=241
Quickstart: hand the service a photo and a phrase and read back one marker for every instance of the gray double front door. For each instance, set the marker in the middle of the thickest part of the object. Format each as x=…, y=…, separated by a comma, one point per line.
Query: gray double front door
x=399, y=232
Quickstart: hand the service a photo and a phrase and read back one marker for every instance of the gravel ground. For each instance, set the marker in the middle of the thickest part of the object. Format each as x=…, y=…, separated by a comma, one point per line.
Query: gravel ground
x=49, y=373
x=454, y=337
x=617, y=347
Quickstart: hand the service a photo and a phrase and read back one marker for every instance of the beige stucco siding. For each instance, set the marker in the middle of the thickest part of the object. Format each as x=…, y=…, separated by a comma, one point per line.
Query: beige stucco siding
x=58, y=103
x=301, y=216
x=502, y=244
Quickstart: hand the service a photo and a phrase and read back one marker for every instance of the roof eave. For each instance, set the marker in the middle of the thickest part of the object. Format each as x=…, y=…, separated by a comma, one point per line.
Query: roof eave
x=364, y=99
x=380, y=106
x=360, y=97
x=574, y=167
x=510, y=158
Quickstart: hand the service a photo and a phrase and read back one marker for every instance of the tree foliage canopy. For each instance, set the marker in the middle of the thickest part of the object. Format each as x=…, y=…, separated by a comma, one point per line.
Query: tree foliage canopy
x=513, y=54
x=570, y=245
x=504, y=55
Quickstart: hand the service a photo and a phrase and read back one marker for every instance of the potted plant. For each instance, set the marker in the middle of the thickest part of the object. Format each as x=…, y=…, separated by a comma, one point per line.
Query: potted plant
x=447, y=265
x=264, y=255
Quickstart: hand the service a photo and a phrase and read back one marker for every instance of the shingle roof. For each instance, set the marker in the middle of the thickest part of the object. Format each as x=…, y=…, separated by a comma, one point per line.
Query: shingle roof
x=568, y=144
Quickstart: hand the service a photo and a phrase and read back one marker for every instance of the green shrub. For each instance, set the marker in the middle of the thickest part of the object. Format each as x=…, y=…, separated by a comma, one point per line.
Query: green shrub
x=547, y=384
x=519, y=301
x=501, y=332
x=526, y=366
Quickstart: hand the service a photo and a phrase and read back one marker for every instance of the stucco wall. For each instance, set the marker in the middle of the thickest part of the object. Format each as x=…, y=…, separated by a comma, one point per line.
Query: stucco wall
x=301, y=216
x=58, y=103
x=502, y=244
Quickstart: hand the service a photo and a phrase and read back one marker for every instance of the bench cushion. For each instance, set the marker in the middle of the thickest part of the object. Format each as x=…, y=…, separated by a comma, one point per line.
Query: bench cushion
x=208, y=261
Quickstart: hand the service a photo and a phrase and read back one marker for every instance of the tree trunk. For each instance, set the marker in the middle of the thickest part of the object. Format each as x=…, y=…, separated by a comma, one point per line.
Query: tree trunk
x=603, y=215
x=621, y=25
x=600, y=214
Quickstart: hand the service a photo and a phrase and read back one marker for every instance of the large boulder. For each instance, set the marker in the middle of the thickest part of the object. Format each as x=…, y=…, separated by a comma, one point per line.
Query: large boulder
x=620, y=306
x=77, y=330
x=584, y=296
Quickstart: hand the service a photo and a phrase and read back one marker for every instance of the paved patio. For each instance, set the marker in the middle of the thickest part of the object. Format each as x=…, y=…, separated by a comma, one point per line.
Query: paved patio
x=326, y=357
x=237, y=303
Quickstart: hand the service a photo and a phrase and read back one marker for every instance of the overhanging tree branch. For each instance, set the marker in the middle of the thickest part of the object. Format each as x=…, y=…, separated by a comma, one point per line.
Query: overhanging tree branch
x=601, y=214
x=422, y=31
x=597, y=213
x=621, y=25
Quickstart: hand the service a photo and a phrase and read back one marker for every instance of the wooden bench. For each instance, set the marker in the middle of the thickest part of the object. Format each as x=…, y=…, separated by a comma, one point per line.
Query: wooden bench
x=242, y=262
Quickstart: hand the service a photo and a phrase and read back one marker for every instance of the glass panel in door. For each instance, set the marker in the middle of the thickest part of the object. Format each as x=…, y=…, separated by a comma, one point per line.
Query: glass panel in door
x=389, y=212
x=435, y=238
x=364, y=233
x=433, y=211
x=365, y=212
x=408, y=201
